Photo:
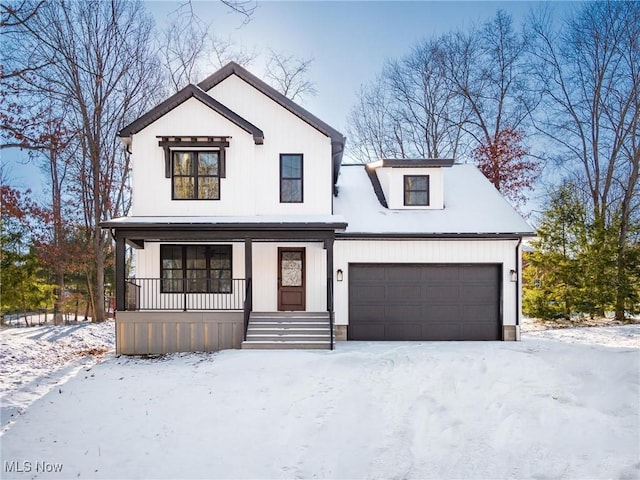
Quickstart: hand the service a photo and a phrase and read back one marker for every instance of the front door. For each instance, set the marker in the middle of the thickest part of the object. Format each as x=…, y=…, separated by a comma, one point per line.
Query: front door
x=291, y=274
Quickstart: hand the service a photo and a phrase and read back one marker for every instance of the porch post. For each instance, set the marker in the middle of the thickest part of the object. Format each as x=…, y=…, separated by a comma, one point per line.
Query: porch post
x=328, y=243
x=248, y=272
x=120, y=273
x=248, y=259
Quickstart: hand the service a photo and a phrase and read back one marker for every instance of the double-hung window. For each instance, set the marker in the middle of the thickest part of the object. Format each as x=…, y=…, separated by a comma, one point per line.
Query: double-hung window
x=291, y=179
x=196, y=268
x=416, y=190
x=196, y=175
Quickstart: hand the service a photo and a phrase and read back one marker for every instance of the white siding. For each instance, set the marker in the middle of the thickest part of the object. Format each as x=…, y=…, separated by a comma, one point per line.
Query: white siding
x=252, y=183
x=392, y=183
x=152, y=191
x=265, y=271
x=283, y=133
x=425, y=251
x=265, y=276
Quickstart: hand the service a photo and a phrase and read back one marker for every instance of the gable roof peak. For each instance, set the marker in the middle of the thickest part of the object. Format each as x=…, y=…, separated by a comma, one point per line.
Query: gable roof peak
x=182, y=96
x=233, y=68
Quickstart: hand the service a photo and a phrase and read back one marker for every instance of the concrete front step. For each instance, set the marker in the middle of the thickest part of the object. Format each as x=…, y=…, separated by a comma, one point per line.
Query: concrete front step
x=279, y=327
x=288, y=330
x=289, y=321
x=284, y=331
x=286, y=345
x=288, y=337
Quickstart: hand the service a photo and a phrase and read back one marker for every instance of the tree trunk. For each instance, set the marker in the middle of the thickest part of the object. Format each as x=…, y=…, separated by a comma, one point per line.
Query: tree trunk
x=58, y=302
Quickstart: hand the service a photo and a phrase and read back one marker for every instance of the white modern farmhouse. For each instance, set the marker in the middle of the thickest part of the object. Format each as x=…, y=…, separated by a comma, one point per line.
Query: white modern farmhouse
x=249, y=233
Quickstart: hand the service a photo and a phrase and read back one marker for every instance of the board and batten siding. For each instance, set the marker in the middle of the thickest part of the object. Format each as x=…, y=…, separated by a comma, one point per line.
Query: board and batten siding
x=265, y=276
x=265, y=271
x=284, y=132
x=501, y=252
x=152, y=190
x=149, y=333
x=252, y=183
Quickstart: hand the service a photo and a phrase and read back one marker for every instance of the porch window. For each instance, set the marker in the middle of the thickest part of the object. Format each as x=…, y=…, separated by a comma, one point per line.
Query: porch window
x=196, y=175
x=196, y=268
x=291, y=183
x=416, y=190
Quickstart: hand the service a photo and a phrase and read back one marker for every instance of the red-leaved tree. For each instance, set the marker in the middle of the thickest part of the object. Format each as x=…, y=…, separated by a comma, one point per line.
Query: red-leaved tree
x=505, y=162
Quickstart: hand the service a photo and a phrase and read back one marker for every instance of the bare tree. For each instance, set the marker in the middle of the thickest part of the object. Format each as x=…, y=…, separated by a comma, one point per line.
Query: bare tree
x=486, y=67
x=425, y=104
x=373, y=131
x=188, y=46
x=288, y=75
x=588, y=69
x=99, y=66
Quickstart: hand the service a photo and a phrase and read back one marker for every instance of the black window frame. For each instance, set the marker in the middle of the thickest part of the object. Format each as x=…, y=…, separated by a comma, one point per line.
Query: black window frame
x=288, y=179
x=214, y=283
x=196, y=175
x=407, y=191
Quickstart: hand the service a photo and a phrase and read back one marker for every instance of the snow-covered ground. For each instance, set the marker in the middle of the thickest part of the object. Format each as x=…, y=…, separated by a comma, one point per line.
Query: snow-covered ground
x=540, y=408
x=34, y=359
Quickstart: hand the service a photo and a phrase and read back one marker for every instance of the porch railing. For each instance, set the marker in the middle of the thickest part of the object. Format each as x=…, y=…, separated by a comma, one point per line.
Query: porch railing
x=248, y=306
x=330, y=310
x=184, y=294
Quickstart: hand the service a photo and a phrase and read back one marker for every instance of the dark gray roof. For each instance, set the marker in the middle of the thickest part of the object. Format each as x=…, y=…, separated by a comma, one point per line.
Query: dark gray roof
x=337, y=139
x=416, y=162
x=181, y=97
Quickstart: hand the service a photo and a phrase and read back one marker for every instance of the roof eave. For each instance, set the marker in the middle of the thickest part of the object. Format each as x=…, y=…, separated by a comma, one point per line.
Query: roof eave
x=179, y=98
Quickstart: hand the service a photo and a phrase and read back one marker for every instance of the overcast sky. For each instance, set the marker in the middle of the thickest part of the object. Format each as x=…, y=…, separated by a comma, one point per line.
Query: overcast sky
x=349, y=42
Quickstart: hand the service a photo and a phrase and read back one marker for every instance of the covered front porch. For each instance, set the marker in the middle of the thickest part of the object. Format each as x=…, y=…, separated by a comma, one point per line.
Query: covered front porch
x=200, y=282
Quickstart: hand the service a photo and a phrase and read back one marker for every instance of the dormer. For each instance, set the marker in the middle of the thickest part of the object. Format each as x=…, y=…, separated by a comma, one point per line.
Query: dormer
x=409, y=184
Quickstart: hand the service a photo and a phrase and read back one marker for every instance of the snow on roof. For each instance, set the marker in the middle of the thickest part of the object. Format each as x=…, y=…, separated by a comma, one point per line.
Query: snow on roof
x=471, y=206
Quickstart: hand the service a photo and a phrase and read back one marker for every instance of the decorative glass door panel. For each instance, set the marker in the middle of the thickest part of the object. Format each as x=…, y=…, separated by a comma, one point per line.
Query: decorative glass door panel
x=291, y=279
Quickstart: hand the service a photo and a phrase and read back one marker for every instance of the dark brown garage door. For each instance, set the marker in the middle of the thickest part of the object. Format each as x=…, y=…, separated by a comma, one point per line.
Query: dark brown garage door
x=424, y=302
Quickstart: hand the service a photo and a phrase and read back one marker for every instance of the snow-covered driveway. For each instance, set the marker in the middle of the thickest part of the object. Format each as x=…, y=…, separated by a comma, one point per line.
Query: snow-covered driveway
x=534, y=409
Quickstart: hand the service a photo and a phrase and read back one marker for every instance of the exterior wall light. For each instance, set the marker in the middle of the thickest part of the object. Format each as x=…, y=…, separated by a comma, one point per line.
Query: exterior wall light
x=339, y=275
x=514, y=275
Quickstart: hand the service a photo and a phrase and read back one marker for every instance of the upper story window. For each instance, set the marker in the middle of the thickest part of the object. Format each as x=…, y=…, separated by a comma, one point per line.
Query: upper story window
x=291, y=182
x=416, y=190
x=196, y=268
x=196, y=175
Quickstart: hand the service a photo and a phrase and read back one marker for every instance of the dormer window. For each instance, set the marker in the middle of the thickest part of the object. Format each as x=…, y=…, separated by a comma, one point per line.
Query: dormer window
x=195, y=175
x=416, y=190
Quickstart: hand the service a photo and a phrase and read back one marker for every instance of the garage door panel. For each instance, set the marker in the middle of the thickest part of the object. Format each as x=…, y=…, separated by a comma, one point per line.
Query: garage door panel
x=404, y=273
x=424, y=302
x=476, y=292
x=397, y=313
x=440, y=273
x=441, y=293
x=367, y=274
x=402, y=331
x=367, y=331
x=441, y=331
x=369, y=313
x=369, y=293
x=435, y=313
x=405, y=291
x=479, y=313
x=478, y=273
x=479, y=331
